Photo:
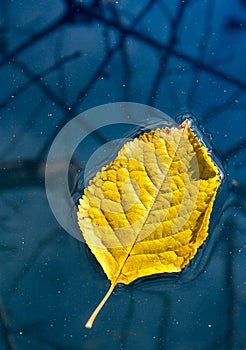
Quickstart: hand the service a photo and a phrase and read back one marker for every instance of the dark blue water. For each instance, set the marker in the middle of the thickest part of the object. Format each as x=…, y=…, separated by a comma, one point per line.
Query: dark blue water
x=60, y=58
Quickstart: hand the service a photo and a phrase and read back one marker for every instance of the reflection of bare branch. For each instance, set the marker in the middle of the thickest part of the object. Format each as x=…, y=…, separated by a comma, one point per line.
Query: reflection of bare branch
x=127, y=73
x=33, y=40
x=109, y=54
x=235, y=23
x=17, y=173
x=91, y=13
x=97, y=73
x=174, y=28
x=37, y=78
x=202, y=48
x=4, y=324
x=231, y=102
x=118, y=25
x=23, y=129
x=28, y=173
x=124, y=55
x=162, y=47
x=28, y=265
x=165, y=10
x=236, y=149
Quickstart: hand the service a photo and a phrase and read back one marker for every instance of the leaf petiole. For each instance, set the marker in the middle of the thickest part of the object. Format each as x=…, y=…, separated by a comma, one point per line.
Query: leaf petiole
x=91, y=320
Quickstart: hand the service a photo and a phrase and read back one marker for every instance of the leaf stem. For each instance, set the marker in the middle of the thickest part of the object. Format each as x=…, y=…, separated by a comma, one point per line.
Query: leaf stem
x=89, y=323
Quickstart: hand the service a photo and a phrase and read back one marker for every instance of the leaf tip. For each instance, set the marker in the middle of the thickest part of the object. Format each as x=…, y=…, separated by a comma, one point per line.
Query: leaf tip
x=185, y=126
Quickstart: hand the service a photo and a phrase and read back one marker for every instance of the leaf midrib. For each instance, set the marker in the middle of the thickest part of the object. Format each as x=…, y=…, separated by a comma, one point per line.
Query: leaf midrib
x=150, y=209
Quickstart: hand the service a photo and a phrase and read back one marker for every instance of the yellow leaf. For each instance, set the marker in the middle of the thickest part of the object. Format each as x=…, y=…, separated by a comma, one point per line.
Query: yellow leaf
x=148, y=211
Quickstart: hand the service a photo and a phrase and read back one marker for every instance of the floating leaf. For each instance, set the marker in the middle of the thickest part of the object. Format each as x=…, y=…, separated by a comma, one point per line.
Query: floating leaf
x=148, y=211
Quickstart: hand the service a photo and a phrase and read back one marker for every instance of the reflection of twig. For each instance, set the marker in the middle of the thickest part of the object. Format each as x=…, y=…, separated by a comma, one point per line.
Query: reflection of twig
x=235, y=23
x=97, y=73
x=61, y=74
x=18, y=173
x=165, y=10
x=26, y=44
x=22, y=130
x=92, y=13
x=176, y=22
x=4, y=323
x=236, y=149
x=231, y=102
x=124, y=55
x=81, y=95
x=109, y=55
x=162, y=47
x=202, y=48
x=36, y=78
x=29, y=173
x=125, y=59
x=43, y=243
